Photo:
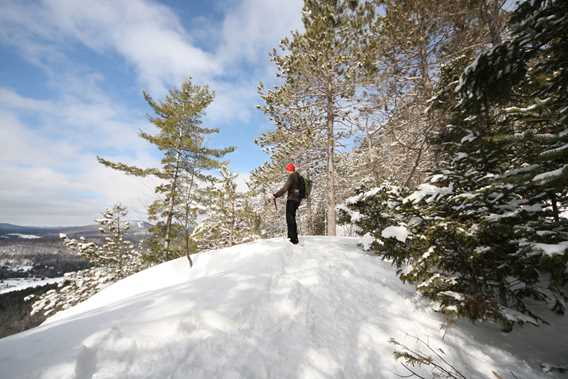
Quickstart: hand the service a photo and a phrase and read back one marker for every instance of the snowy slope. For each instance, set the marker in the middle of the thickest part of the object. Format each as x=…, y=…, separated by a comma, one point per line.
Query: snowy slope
x=18, y=284
x=264, y=310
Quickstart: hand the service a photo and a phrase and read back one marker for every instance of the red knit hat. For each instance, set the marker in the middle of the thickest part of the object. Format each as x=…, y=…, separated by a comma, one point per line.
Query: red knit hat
x=290, y=167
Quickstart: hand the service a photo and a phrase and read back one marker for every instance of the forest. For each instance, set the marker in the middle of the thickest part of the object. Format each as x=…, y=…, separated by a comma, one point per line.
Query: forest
x=436, y=129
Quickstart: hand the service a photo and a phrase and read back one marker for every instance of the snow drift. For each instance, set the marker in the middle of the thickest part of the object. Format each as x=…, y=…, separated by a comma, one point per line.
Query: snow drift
x=324, y=309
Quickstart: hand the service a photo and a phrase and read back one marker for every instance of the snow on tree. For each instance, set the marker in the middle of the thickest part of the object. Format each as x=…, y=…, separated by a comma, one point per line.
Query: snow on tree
x=114, y=259
x=485, y=233
x=414, y=39
x=116, y=252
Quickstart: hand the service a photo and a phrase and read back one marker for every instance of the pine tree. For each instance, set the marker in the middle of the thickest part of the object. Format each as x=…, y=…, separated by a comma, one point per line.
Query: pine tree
x=229, y=219
x=114, y=259
x=116, y=252
x=186, y=162
x=485, y=232
x=321, y=69
x=416, y=38
x=524, y=81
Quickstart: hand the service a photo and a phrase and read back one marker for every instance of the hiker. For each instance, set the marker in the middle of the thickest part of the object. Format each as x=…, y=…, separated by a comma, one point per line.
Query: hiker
x=292, y=186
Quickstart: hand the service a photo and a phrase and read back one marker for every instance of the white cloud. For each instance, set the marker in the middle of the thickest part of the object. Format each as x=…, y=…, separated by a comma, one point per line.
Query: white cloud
x=233, y=102
x=11, y=100
x=146, y=34
x=250, y=30
x=113, y=186
x=40, y=195
x=49, y=172
x=254, y=27
x=151, y=38
x=21, y=145
x=84, y=118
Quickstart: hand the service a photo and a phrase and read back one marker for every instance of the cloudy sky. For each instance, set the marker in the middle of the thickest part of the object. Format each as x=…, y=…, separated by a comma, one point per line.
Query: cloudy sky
x=71, y=78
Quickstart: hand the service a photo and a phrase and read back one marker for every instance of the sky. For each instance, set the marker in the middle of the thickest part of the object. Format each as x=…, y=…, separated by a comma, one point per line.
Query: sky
x=71, y=80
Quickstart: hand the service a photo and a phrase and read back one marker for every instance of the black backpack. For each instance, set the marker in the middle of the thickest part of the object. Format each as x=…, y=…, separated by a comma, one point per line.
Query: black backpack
x=305, y=187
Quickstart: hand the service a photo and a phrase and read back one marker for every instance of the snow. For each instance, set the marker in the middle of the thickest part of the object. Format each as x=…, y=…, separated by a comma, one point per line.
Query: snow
x=557, y=150
x=18, y=284
x=522, y=170
x=454, y=295
x=428, y=192
x=362, y=196
x=513, y=315
x=493, y=217
x=538, y=104
x=322, y=309
x=468, y=138
x=366, y=241
x=549, y=175
x=551, y=249
x=24, y=236
x=398, y=232
x=356, y=216
x=438, y=177
x=460, y=156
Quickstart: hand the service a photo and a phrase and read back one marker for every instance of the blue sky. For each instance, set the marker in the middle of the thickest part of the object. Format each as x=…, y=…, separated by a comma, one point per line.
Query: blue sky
x=71, y=81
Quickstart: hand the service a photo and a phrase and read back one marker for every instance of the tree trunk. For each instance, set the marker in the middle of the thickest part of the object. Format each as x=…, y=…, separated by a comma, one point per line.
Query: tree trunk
x=310, y=228
x=425, y=82
x=415, y=166
x=331, y=226
x=118, y=240
x=187, y=214
x=172, y=204
x=555, y=209
x=489, y=14
x=370, y=156
x=233, y=222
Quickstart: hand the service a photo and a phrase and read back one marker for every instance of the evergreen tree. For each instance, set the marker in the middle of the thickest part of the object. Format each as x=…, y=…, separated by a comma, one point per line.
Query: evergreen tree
x=114, y=259
x=186, y=162
x=229, y=219
x=485, y=230
x=524, y=81
x=321, y=69
x=116, y=252
x=415, y=39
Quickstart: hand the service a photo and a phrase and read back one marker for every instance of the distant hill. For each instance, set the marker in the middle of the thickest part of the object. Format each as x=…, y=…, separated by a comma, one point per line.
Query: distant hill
x=11, y=231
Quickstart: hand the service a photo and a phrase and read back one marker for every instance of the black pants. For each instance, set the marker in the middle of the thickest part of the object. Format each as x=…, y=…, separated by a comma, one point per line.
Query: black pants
x=291, y=207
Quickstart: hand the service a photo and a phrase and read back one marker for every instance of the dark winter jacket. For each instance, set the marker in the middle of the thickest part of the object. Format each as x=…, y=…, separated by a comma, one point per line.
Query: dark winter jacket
x=292, y=186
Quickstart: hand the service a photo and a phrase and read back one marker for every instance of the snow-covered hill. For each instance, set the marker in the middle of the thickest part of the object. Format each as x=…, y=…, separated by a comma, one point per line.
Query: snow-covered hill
x=266, y=309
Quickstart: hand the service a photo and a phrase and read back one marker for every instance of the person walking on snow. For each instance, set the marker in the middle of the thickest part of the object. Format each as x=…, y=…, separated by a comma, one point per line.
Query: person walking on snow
x=292, y=186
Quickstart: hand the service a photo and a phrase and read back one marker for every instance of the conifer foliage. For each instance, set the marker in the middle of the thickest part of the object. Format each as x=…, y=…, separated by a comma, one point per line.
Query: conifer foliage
x=113, y=259
x=321, y=69
x=116, y=252
x=486, y=232
x=186, y=166
x=230, y=218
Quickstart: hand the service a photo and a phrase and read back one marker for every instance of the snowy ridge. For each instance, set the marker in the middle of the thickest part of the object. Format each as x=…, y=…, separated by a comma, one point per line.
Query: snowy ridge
x=18, y=284
x=323, y=309
x=23, y=236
